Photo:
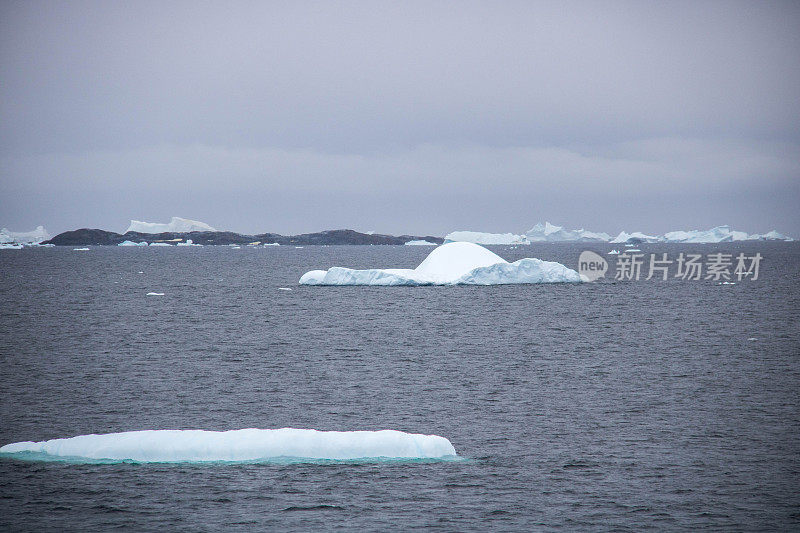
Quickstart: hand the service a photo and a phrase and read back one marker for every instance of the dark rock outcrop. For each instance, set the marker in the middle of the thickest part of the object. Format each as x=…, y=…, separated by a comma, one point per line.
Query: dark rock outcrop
x=85, y=237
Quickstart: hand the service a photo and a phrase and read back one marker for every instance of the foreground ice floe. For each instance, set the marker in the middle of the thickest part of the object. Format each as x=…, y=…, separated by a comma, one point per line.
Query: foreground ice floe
x=238, y=445
x=454, y=263
x=176, y=225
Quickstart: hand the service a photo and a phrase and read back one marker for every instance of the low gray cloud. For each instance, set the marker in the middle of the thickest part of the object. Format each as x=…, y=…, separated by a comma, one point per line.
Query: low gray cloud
x=400, y=117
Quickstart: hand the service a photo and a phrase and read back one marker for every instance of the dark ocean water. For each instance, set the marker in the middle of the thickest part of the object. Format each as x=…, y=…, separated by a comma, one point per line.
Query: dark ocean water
x=604, y=406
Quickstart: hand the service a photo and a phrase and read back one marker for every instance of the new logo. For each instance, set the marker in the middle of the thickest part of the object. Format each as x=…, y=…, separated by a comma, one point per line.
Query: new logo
x=591, y=266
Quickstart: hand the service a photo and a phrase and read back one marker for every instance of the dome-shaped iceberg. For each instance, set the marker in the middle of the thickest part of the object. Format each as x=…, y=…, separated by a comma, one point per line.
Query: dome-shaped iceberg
x=454, y=263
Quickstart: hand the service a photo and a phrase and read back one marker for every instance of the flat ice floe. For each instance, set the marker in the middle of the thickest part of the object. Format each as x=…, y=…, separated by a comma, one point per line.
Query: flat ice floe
x=236, y=445
x=454, y=263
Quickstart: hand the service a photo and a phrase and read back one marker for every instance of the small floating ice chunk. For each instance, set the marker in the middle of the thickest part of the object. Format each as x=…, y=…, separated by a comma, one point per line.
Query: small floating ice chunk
x=455, y=263
x=155, y=294
x=240, y=445
x=752, y=339
x=80, y=249
x=613, y=252
x=284, y=289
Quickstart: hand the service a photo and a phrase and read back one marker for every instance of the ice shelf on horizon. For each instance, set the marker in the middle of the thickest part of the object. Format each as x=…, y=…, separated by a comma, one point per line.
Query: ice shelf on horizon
x=176, y=225
x=548, y=232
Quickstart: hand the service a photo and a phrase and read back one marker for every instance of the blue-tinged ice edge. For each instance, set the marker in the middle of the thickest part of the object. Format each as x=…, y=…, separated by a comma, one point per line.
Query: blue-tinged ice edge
x=41, y=457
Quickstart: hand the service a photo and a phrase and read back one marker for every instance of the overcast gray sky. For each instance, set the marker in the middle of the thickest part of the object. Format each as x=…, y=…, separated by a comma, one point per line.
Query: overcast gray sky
x=406, y=117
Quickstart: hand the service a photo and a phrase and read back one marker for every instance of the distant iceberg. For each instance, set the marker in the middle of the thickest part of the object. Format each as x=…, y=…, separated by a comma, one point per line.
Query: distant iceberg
x=635, y=237
x=455, y=263
x=237, y=445
x=176, y=225
x=24, y=237
x=478, y=237
x=548, y=232
x=131, y=243
x=713, y=235
x=188, y=242
x=774, y=236
x=420, y=243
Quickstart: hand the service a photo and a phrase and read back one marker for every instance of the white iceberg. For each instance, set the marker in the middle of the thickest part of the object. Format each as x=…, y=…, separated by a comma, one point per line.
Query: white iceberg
x=713, y=235
x=24, y=237
x=420, y=243
x=478, y=237
x=455, y=263
x=635, y=237
x=614, y=252
x=774, y=236
x=10, y=246
x=176, y=225
x=548, y=232
x=80, y=249
x=271, y=244
x=188, y=242
x=160, y=244
x=131, y=243
x=238, y=445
